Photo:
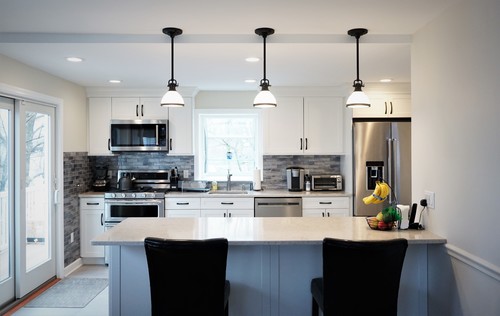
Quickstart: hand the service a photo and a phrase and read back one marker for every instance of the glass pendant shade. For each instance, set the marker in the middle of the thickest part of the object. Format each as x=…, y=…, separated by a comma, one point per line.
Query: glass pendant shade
x=265, y=99
x=358, y=99
x=172, y=99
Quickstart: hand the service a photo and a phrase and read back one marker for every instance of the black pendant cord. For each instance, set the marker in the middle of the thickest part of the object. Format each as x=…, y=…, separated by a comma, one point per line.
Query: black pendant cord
x=172, y=58
x=357, y=58
x=264, y=36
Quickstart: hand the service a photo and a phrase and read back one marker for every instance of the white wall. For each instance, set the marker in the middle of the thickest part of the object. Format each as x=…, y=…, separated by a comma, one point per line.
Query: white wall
x=456, y=153
x=22, y=76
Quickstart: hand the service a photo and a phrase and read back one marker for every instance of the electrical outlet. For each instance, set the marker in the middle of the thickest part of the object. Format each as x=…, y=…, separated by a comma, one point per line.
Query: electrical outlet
x=185, y=174
x=430, y=197
x=72, y=237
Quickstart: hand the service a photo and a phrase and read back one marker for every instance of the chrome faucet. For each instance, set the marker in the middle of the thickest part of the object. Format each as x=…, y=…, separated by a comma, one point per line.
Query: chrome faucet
x=228, y=185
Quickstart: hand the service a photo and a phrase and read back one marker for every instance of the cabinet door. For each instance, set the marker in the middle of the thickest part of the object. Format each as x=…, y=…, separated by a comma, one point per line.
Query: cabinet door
x=313, y=212
x=283, y=127
x=240, y=213
x=323, y=125
x=98, y=126
x=213, y=213
x=90, y=227
x=400, y=106
x=181, y=129
x=150, y=108
x=126, y=108
x=182, y=213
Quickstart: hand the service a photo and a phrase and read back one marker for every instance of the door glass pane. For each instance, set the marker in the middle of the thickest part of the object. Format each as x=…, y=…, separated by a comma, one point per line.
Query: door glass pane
x=37, y=189
x=5, y=225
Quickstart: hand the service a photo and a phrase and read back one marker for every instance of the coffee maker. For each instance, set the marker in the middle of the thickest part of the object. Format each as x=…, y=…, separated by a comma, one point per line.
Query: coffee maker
x=295, y=178
x=101, y=182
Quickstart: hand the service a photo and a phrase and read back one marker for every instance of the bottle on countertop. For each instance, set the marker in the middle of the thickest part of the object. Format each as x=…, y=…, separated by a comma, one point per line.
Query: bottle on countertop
x=308, y=183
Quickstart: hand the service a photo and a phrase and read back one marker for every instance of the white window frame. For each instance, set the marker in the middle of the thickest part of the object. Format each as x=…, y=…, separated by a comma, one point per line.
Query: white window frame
x=198, y=174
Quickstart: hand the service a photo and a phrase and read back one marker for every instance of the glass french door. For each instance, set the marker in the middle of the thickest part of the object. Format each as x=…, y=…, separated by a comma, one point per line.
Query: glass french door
x=35, y=185
x=7, y=275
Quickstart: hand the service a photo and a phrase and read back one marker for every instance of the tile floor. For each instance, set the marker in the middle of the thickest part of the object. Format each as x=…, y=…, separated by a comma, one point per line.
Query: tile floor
x=97, y=307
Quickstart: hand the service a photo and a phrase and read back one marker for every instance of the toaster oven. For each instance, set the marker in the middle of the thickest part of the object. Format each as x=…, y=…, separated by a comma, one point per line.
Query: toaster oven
x=326, y=183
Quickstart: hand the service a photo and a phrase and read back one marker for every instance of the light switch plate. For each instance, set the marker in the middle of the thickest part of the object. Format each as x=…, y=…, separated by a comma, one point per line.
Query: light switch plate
x=185, y=174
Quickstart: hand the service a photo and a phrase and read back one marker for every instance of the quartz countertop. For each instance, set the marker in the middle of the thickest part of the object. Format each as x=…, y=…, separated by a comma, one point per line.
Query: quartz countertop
x=256, y=230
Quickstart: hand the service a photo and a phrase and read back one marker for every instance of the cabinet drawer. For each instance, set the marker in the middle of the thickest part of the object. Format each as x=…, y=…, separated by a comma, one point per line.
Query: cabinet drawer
x=92, y=203
x=227, y=203
x=182, y=203
x=325, y=202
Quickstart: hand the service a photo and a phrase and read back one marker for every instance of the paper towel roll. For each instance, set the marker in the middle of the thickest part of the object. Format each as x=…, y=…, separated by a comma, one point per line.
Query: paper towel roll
x=256, y=180
x=405, y=209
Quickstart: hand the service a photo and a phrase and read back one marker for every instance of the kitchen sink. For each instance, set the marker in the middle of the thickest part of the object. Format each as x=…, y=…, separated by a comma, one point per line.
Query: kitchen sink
x=228, y=192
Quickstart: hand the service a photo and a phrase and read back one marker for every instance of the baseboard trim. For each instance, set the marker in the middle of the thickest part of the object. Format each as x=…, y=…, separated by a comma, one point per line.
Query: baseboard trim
x=474, y=261
x=72, y=267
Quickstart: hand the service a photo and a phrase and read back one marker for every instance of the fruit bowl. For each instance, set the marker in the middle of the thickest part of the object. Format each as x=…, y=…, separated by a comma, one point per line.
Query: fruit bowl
x=375, y=224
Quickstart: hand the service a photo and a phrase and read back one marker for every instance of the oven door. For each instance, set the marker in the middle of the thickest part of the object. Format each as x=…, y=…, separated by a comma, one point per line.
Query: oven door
x=116, y=210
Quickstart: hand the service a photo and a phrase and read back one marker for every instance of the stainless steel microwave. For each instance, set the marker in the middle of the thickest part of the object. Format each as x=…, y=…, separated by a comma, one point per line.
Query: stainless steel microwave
x=139, y=135
x=327, y=183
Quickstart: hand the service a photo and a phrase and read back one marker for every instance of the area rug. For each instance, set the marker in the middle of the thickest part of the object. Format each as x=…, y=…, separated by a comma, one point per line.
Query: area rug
x=70, y=292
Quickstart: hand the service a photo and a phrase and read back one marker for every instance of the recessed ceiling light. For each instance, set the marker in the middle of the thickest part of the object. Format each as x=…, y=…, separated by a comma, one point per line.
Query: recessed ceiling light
x=252, y=59
x=250, y=80
x=386, y=80
x=115, y=81
x=74, y=59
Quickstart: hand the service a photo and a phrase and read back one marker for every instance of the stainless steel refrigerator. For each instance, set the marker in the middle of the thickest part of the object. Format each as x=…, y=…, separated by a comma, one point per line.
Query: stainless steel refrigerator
x=382, y=149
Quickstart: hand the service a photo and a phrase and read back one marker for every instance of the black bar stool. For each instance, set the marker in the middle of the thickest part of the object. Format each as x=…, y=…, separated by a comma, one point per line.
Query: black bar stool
x=188, y=277
x=366, y=272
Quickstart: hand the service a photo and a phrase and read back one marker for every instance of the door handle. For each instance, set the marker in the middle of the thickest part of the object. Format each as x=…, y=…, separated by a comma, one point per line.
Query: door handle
x=92, y=203
x=226, y=203
x=325, y=202
x=182, y=203
x=102, y=224
x=391, y=107
x=385, y=103
x=306, y=143
x=301, y=142
x=137, y=110
x=170, y=144
x=109, y=143
x=142, y=109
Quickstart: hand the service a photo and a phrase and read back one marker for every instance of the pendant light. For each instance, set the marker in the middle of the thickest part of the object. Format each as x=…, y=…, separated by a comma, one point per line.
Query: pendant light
x=172, y=98
x=264, y=99
x=358, y=99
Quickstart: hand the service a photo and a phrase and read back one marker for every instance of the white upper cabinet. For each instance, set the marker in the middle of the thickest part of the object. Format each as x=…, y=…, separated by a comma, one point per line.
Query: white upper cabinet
x=180, y=126
x=304, y=126
x=386, y=105
x=98, y=126
x=138, y=108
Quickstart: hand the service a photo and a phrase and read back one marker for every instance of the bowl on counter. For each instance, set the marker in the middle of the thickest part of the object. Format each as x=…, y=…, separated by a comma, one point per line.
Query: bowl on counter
x=375, y=224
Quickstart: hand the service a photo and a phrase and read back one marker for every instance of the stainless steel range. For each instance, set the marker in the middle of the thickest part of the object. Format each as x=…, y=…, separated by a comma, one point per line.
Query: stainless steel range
x=143, y=197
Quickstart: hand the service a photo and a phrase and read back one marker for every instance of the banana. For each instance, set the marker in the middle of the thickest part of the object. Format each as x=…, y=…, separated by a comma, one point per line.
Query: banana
x=380, y=193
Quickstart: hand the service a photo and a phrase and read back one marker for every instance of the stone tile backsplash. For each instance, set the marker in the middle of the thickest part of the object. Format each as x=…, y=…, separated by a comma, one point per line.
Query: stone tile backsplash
x=78, y=177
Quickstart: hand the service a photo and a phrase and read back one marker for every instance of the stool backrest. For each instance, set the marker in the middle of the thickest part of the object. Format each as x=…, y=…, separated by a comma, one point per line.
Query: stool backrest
x=187, y=277
x=366, y=272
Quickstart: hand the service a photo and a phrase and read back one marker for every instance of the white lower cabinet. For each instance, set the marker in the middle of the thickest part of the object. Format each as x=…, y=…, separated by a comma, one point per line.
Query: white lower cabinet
x=227, y=207
x=182, y=207
x=325, y=207
x=91, y=225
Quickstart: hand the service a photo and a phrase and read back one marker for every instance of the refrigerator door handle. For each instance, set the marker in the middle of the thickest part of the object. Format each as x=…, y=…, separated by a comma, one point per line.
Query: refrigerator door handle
x=393, y=167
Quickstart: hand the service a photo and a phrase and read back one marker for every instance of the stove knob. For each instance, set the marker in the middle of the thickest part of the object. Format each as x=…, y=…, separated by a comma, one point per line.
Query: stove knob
x=143, y=195
x=113, y=195
x=133, y=195
x=123, y=195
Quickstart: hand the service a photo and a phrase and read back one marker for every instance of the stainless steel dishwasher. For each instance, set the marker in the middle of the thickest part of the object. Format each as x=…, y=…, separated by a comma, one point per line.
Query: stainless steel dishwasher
x=278, y=207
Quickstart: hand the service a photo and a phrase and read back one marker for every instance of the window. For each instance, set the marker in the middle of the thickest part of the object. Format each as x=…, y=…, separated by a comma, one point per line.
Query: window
x=228, y=140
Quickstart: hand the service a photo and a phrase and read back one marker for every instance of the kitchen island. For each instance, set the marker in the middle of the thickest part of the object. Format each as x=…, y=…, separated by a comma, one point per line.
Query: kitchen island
x=271, y=261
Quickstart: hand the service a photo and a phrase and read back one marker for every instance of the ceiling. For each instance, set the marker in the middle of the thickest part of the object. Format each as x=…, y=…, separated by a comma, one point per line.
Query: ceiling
x=123, y=39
